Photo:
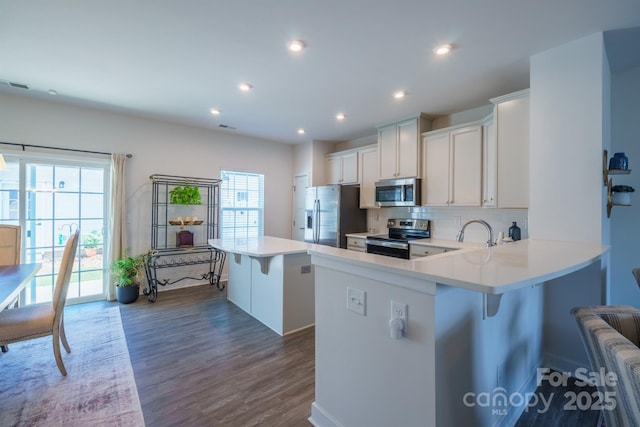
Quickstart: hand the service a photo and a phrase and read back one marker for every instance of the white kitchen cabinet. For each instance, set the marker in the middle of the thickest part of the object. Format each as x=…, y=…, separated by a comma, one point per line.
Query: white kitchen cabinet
x=342, y=167
x=452, y=166
x=368, y=175
x=399, y=147
x=489, y=162
x=357, y=243
x=511, y=121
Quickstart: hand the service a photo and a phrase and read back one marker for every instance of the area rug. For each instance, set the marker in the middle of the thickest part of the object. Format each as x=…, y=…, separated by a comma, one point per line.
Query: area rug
x=99, y=389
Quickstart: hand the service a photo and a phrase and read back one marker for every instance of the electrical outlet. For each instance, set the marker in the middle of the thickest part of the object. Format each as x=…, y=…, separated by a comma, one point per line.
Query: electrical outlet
x=357, y=301
x=399, y=310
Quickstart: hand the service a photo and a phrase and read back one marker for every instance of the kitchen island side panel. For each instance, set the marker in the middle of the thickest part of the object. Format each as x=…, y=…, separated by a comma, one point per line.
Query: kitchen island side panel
x=267, y=292
x=479, y=357
x=282, y=298
x=299, y=292
x=363, y=376
x=239, y=281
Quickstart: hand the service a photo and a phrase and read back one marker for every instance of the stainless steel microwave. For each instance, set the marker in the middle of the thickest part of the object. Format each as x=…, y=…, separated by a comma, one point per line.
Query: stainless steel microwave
x=398, y=192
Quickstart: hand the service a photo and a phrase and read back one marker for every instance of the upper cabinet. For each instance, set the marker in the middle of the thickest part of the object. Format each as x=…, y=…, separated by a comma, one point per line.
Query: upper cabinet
x=511, y=126
x=399, y=147
x=489, y=162
x=342, y=167
x=452, y=166
x=368, y=175
x=355, y=166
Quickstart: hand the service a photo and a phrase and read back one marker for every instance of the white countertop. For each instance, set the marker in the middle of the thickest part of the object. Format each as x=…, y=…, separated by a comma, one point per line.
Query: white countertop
x=265, y=246
x=492, y=270
x=362, y=234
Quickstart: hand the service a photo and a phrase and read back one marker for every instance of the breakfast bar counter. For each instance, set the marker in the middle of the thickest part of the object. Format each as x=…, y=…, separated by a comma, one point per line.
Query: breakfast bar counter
x=472, y=322
x=491, y=270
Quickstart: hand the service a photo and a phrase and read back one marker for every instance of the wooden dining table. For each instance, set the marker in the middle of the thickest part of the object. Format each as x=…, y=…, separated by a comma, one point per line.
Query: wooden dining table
x=13, y=279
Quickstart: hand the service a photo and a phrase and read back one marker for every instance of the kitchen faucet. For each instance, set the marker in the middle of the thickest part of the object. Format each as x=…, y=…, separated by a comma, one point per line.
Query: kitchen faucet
x=479, y=221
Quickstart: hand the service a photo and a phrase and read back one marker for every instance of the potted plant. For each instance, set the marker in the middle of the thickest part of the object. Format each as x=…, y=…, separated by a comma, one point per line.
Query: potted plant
x=621, y=194
x=185, y=195
x=90, y=243
x=125, y=272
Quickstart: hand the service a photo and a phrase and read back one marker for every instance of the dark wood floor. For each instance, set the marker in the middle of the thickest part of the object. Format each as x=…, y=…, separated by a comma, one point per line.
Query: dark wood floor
x=563, y=411
x=199, y=360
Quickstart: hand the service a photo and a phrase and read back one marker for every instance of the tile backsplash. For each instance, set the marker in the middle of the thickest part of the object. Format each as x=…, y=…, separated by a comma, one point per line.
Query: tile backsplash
x=447, y=221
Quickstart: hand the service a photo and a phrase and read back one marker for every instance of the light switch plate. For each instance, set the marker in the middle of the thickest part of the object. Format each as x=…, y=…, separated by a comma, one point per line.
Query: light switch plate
x=357, y=300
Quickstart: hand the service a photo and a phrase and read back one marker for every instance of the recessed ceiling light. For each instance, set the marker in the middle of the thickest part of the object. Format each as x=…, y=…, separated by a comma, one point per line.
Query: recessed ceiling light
x=215, y=111
x=245, y=87
x=341, y=116
x=443, y=49
x=296, y=45
x=400, y=94
x=301, y=131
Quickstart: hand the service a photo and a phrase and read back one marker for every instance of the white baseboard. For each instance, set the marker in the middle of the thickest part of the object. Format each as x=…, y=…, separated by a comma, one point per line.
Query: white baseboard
x=527, y=388
x=319, y=418
x=561, y=364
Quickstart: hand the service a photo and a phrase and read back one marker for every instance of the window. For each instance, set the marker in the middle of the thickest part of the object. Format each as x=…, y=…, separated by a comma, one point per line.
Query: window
x=242, y=204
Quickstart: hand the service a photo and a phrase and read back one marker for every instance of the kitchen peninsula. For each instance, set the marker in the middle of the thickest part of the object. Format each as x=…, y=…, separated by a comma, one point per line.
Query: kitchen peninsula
x=272, y=280
x=474, y=325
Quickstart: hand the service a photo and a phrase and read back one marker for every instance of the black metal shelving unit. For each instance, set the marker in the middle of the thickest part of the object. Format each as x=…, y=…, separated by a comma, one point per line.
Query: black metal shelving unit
x=167, y=251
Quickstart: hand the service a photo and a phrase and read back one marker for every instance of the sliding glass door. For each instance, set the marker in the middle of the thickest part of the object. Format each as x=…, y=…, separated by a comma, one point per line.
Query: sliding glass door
x=56, y=198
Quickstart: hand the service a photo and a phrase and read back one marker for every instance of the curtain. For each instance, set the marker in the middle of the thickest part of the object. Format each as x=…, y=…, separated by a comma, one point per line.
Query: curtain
x=117, y=216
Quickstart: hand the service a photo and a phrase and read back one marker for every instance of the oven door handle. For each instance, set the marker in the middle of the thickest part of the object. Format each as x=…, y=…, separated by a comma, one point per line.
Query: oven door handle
x=386, y=244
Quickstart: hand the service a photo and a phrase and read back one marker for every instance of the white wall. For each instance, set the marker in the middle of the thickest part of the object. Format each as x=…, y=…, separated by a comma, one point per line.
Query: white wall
x=157, y=147
x=566, y=142
x=568, y=121
x=625, y=233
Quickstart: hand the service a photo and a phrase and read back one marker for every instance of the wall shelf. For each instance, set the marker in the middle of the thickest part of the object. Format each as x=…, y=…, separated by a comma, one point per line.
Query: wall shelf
x=606, y=171
x=608, y=181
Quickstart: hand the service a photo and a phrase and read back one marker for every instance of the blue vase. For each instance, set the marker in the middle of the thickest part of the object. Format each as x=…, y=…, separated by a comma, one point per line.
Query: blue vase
x=619, y=161
x=514, y=231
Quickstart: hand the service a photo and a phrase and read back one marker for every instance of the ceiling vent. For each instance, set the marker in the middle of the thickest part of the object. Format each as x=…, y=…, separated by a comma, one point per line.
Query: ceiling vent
x=13, y=84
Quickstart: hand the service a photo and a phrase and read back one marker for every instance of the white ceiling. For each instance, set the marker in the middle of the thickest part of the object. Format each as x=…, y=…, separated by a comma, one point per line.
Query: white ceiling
x=174, y=60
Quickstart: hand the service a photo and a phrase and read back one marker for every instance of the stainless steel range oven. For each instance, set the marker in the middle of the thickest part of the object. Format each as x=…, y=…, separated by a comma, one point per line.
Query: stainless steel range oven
x=401, y=231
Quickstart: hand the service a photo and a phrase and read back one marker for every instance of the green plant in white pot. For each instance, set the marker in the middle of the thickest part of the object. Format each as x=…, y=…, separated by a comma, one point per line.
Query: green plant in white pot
x=125, y=272
x=621, y=194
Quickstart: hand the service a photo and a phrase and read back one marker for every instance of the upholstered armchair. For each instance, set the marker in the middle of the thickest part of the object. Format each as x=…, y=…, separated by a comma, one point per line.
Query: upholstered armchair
x=611, y=335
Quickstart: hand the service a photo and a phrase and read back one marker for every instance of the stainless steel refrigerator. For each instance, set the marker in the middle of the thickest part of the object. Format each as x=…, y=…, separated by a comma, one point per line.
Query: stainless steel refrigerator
x=332, y=211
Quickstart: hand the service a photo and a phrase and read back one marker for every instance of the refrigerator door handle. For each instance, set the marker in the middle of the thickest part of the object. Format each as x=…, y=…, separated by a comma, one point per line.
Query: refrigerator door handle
x=316, y=238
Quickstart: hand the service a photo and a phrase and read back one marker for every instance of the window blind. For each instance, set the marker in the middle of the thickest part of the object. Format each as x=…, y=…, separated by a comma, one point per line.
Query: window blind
x=242, y=204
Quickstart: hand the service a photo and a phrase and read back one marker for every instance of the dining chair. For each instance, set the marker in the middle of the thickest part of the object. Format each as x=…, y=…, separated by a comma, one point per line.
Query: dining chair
x=41, y=320
x=10, y=254
x=9, y=244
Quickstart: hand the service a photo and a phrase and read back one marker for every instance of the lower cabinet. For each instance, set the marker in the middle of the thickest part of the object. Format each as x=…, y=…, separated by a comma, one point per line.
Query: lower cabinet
x=357, y=244
x=452, y=166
